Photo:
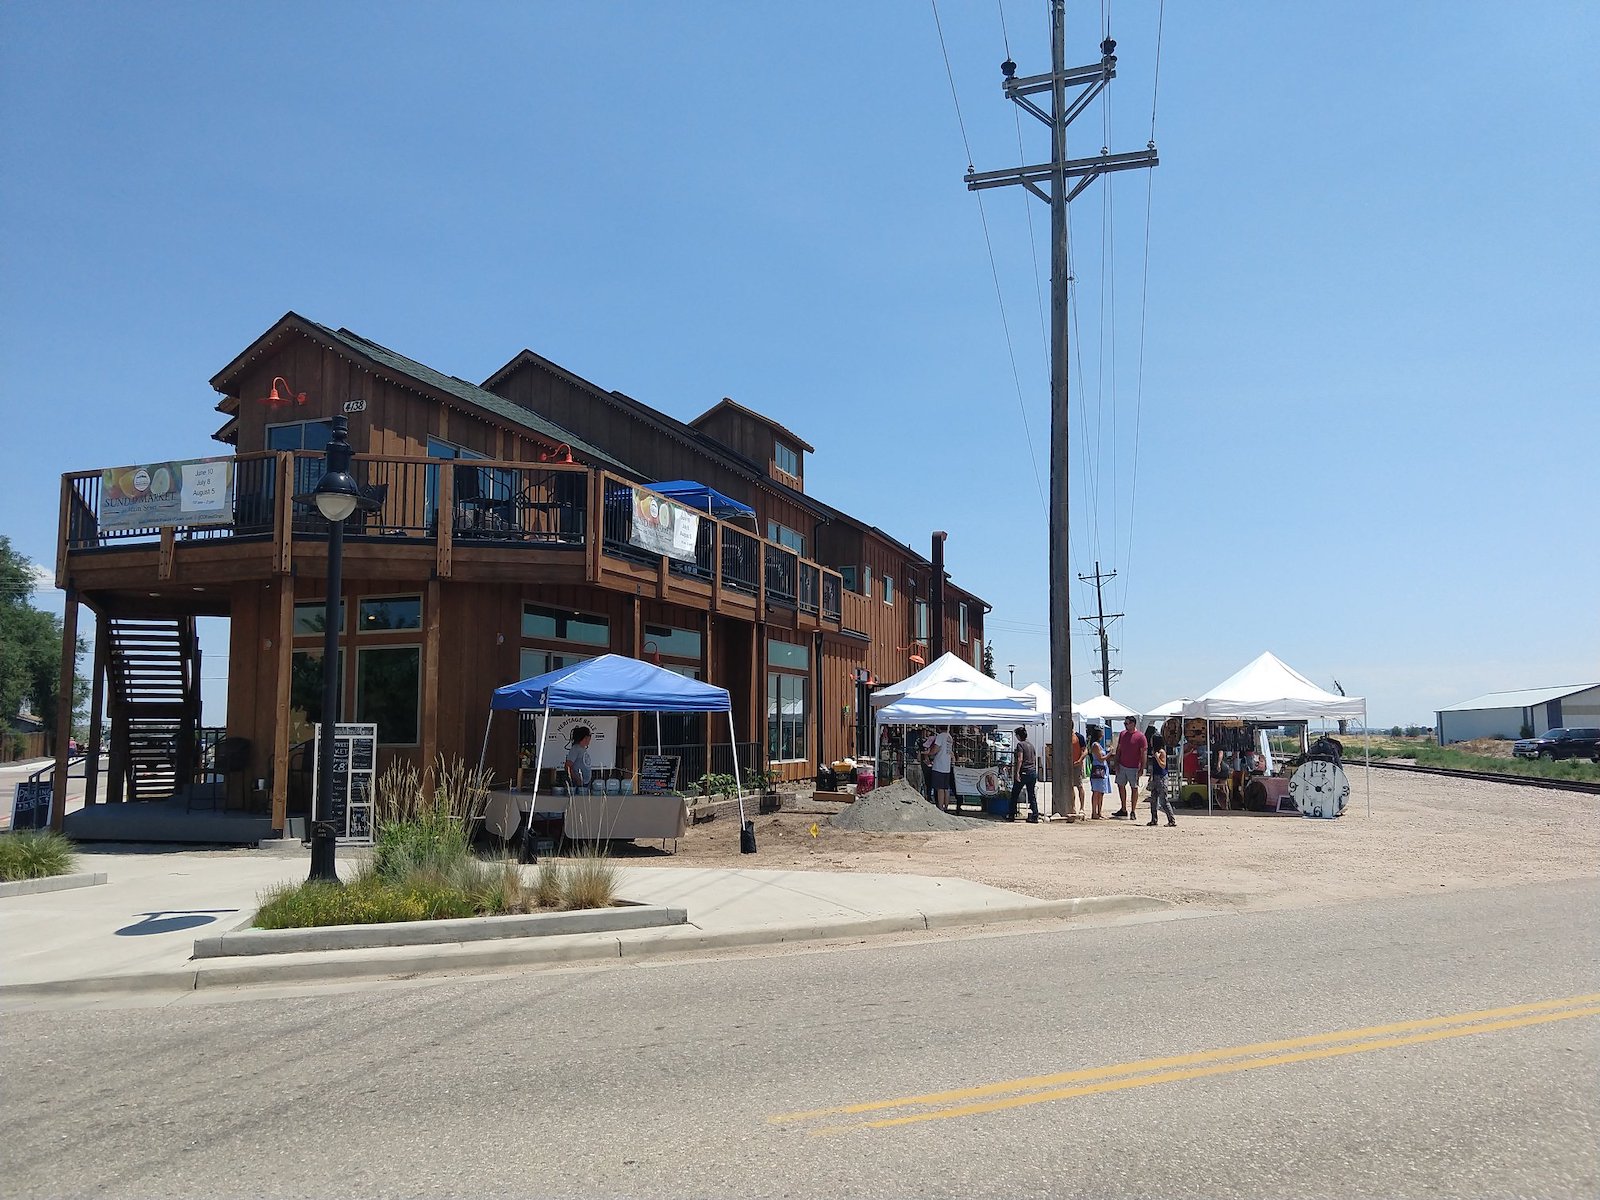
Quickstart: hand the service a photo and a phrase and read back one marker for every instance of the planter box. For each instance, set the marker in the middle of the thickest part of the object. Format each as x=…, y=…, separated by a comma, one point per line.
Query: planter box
x=424, y=933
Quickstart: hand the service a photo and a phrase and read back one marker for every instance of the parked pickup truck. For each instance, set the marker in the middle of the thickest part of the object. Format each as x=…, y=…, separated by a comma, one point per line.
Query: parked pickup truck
x=1561, y=743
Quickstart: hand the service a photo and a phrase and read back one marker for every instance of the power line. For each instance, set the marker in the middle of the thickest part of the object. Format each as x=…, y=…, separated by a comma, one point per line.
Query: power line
x=994, y=269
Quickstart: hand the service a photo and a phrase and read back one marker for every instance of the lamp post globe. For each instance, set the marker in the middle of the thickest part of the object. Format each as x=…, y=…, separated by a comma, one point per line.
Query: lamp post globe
x=337, y=496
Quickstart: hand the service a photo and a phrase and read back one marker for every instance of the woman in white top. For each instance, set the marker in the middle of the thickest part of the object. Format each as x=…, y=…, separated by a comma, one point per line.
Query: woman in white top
x=943, y=768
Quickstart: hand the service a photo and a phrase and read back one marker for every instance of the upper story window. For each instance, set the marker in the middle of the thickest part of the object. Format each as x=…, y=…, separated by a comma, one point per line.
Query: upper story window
x=866, y=581
x=299, y=435
x=962, y=610
x=672, y=643
x=786, y=459
x=785, y=536
x=921, y=625
x=379, y=613
x=559, y=625
x=888, y=589
x=847, y=575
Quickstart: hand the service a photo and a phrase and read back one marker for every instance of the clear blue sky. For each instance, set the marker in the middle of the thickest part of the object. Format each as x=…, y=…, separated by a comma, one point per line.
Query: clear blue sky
x=1367, y=429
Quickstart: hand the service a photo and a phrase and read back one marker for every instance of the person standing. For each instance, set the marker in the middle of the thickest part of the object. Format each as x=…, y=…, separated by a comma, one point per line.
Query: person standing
x=1160, y=801
x=1099, y=771
x=943, y=768
x=1077, y=809
x=1026, y=758
x=1130, y=752
x=580, y=771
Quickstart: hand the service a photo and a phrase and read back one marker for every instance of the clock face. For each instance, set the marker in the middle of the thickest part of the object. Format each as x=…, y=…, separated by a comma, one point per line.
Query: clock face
x=1319, y=789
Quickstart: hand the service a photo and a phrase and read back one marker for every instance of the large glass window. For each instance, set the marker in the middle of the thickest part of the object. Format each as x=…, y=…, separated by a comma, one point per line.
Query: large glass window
x=390, y=612
x=672, y=643
x=787, y=654
x=300, y=435
x=785, y=536
x=537, y=662
x=565, y=625
x=312, y=618
x=787, y=704
x=305, y=691
x=388, y=691
x=786, y=459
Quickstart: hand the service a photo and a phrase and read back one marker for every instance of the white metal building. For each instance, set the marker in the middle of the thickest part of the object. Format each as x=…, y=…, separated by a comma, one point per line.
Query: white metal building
x=1504, y=714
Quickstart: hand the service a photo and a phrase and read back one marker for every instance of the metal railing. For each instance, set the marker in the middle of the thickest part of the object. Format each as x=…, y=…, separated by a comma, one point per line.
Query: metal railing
x=832, y=589
x=808, y=598
x=741, y=561
x=780, y=572
x=498, y=504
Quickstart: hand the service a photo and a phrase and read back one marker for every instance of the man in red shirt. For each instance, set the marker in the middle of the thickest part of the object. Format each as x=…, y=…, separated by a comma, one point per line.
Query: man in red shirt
x=1129, y=756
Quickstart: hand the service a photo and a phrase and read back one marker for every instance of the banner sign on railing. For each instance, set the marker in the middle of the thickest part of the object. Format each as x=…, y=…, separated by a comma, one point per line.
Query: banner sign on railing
x=663, y=527
x=198, y=491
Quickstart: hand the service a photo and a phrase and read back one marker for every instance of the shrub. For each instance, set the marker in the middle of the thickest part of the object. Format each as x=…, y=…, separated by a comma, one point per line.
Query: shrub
x=432, y=842
x=547, y=890
x=589, y=881
x=719, y=784
x=35, y=855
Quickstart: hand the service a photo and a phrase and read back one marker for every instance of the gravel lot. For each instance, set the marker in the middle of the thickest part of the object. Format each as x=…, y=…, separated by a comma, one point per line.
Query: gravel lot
x=1426, y=834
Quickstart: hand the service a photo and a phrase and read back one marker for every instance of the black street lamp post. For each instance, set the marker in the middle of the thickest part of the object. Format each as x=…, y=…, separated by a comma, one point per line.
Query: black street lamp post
x=1012, y=669
x=336, y=496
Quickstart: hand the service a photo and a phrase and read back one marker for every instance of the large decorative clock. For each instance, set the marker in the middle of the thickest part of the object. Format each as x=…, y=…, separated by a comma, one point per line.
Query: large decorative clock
x=1319, y=789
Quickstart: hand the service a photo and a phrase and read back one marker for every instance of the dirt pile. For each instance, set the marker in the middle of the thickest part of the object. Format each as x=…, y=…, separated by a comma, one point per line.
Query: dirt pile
x=899, y=808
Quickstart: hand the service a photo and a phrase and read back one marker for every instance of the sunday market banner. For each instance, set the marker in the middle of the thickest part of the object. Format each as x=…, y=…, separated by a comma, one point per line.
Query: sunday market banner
x=663, y=527
x=197, y=491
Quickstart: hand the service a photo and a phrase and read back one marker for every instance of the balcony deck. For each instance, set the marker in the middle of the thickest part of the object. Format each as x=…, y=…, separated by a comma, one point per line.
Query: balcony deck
x=478, y=521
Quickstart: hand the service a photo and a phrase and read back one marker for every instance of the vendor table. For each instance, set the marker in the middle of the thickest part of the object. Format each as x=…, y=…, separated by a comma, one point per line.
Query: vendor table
x=592, y=817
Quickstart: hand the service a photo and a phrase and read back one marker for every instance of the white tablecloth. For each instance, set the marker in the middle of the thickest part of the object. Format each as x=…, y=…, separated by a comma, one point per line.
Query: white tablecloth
x=622, y=817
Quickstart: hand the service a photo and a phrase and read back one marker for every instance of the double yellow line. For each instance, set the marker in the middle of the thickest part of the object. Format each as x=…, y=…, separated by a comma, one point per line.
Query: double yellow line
x=1066, y=1085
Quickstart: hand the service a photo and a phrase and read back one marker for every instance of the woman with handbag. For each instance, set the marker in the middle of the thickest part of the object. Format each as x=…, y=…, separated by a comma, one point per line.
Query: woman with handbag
x=1099, y=776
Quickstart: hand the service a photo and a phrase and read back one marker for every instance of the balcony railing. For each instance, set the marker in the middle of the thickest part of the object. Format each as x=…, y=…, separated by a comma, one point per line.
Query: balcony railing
x=474, y=503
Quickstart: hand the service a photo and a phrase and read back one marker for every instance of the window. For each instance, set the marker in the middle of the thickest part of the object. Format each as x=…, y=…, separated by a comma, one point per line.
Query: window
x=672, y=643
x=787, y=697
x=785, y=459
x=538, y=662
x=300, y=435
x=565, y=626
x=848, y=576
x=921, y=633
x=305, y=687
x=788, y=656
x=785, y=536
x=888, y=589
x=388, y=691
x=961, y=610
x=391, y=612
x=866, y=581
x=312, y=618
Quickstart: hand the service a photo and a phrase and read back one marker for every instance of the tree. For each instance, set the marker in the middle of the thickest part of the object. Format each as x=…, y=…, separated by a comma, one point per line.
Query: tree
x=988, y=659
x=30, y=645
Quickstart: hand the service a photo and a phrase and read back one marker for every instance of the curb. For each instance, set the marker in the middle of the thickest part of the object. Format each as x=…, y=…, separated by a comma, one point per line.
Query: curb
x=461, y=958
x=244, y=942
x=53, y=883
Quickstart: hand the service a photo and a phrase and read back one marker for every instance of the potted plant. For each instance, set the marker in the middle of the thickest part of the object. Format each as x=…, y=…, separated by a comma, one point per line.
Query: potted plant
x=765, y=781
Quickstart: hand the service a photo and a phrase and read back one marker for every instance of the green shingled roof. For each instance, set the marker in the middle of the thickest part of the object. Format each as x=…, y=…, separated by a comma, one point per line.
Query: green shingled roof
x=471, y=393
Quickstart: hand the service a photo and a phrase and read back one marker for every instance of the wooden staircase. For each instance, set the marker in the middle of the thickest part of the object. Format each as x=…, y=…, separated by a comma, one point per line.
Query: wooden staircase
x=153, y=700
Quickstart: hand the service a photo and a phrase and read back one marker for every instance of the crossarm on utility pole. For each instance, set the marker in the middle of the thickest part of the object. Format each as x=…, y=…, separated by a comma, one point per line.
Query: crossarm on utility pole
x=1073, y=168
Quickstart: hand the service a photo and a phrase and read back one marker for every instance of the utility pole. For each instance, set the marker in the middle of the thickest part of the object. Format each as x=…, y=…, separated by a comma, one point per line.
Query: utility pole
x=1100, y=621
x=1048, y=181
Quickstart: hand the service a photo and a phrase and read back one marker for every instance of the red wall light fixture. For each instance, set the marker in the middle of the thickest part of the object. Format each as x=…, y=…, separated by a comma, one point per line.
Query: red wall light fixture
x=279, y=399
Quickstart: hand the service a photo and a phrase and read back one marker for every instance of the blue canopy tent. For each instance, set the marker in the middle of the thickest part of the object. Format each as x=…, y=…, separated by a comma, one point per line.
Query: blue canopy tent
x=706, y=499
x=608, y=684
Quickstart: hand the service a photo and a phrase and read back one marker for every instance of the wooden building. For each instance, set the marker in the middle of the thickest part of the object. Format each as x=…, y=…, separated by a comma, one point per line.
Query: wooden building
x=505, y=542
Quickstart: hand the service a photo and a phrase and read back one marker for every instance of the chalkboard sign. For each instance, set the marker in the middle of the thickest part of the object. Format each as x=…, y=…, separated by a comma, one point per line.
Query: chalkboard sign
x=349, y=803
x=660, y=774
x=30, y=808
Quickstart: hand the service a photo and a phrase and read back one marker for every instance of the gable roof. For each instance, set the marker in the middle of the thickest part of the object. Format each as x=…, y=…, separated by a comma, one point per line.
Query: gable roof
x=755, y=416
x=383, y=361
x=1525, y=698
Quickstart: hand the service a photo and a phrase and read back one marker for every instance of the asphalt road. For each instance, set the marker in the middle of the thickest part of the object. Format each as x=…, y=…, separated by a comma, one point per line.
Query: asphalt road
x=1427, y=1047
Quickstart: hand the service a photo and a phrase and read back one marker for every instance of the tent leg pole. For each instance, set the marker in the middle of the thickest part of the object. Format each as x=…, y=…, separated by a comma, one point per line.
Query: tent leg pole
x=738, y=784
x=1208, y=767
x=483, y=754
x=1367, y=772
x=658, y=738
x=527, y=854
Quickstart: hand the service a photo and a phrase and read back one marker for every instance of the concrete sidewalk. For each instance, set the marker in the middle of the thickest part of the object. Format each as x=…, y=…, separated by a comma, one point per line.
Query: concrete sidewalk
x=137, y=931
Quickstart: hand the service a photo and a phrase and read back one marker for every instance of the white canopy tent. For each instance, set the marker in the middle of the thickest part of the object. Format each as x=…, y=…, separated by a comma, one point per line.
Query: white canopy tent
x=1102, y=708
x=1172, y=708
x=947, y=675
x=1268, y=689
x=950, y=691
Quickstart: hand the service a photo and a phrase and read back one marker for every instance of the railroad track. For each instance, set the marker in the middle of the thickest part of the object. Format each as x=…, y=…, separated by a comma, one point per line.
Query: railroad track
x=1560, y=785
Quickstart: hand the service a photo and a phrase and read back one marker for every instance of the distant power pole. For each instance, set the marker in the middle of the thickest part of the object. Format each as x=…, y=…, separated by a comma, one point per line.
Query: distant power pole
x=1048, y=181
x=1100, y=621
